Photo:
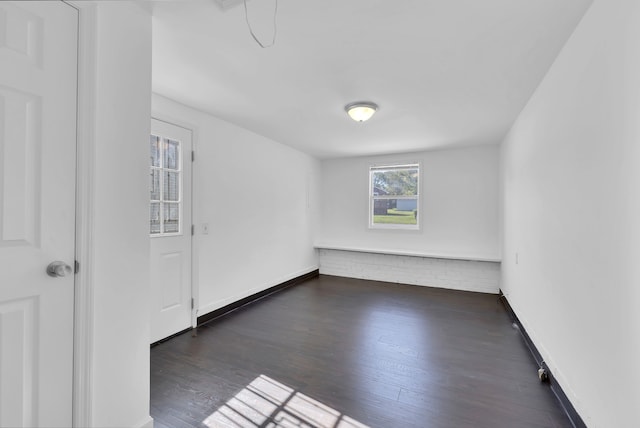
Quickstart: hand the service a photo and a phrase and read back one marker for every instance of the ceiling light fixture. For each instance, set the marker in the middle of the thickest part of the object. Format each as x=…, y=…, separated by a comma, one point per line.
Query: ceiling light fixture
x=361, y=111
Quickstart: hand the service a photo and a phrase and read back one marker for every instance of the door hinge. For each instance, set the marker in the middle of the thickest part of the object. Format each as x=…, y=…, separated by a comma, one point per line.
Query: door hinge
x=193, y=229
x=193, y=155
x=192, y=303
x=76, y=266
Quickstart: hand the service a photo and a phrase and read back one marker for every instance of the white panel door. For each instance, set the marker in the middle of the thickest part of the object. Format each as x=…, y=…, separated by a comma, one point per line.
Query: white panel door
x=38, y=45
x=170, y=229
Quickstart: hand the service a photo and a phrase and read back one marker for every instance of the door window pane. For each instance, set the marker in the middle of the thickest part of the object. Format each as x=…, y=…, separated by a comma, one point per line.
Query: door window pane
x=172, y=154
x=155, y=151
x=171, y=218
x=154, y=218
x=155, y=184
x=171, y=186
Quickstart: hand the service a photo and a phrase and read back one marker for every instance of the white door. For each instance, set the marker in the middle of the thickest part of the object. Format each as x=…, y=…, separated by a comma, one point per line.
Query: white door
x=170, y=229
x=38, y=45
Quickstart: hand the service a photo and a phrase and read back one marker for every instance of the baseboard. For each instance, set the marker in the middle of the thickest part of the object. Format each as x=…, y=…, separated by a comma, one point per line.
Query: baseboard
x=203, y=319
x=557, y=390
x=146, y=424
x=170, y=337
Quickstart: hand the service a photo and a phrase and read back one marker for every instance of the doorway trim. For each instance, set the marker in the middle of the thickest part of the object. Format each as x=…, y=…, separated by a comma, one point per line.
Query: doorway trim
x=82, y=403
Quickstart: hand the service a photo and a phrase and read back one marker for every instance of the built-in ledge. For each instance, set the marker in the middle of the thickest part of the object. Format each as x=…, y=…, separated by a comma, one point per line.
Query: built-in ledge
x=409, y=253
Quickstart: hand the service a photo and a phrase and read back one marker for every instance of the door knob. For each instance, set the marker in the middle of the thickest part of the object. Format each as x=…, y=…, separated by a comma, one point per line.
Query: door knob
x=57, y=269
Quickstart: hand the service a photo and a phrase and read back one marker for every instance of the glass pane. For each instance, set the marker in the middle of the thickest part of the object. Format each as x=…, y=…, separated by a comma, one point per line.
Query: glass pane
x=172, y=154
x=155, y=151
x=399, y=182
x=171, y=218
x=155, y=184
x=171, y=186
x=154, y=218
x=395, y=211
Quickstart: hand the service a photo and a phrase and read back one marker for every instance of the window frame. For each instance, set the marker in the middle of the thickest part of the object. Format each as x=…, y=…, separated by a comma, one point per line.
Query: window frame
x=162, y=169
x=372, y=198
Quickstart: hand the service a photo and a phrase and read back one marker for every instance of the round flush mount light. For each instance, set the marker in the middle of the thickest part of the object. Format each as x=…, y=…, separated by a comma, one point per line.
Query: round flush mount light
x=361, y=111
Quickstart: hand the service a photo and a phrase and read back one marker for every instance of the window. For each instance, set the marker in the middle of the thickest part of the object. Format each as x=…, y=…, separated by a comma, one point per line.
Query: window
x=393, y=196
x=166, y=187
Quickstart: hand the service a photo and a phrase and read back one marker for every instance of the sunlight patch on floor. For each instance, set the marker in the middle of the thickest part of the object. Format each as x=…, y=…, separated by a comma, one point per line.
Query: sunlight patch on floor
x=268, y=403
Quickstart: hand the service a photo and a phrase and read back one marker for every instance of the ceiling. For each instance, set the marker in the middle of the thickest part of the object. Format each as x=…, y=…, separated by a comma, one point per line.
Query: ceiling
x=445, y=73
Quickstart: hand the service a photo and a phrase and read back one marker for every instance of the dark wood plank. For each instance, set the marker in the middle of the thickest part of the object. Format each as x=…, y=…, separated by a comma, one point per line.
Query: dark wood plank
x=385, y=355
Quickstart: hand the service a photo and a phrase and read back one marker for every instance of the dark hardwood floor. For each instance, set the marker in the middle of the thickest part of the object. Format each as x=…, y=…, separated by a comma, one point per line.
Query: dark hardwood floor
x=338, y=352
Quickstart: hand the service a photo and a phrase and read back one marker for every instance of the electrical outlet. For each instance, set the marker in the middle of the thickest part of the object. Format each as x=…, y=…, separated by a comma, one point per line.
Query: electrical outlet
x=516, y=258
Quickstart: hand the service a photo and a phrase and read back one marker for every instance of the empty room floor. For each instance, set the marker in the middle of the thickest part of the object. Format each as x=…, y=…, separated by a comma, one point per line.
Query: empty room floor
x=338, y=352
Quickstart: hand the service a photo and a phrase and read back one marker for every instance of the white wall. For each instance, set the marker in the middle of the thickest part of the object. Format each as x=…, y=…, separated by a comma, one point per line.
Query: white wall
x=259, y=198
x=459, y=204
x=120, y=244
x=571, y=167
